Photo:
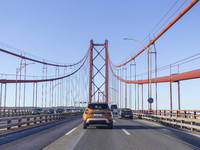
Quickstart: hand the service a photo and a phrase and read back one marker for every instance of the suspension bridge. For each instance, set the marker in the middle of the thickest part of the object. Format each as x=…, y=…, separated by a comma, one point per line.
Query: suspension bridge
x=46, y=85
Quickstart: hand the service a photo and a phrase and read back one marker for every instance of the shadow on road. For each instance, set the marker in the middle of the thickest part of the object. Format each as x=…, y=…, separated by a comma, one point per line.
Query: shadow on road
x=128, y=127
x=135, y=127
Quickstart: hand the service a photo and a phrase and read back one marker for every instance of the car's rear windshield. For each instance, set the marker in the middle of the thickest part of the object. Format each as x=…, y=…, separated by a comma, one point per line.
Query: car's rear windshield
x=97, y=106
x=113, y=107
x=126, y=110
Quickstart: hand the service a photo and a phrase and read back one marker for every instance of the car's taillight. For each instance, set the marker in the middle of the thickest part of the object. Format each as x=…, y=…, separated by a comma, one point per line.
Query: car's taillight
x=86, y=111
x=108, y=111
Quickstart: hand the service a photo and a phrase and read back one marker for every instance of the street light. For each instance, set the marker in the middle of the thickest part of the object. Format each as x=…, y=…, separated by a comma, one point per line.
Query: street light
x=135, y=41
x=149, y=67
x=18, y=70
x=74, y=100
x=66, y=96
x=116, y=93
x=54, y=86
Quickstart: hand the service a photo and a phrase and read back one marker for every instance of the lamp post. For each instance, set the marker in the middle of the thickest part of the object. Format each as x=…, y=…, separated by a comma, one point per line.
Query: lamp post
x=74, y=100
x=18, y=70
x=66, y=97
x=55, y=93
x=115, y=95
x=149, y=62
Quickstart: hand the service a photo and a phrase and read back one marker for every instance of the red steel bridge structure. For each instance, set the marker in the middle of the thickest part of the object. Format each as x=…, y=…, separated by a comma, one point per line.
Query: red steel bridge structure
x=94, y=78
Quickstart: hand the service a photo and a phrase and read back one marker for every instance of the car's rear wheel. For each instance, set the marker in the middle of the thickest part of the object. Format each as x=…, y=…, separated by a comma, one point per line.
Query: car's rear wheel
x=84, y=125
x=110, y=126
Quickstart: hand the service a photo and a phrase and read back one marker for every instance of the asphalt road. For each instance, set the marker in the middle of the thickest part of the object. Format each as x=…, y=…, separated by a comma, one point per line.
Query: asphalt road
x=127, y=134
x=37, y=138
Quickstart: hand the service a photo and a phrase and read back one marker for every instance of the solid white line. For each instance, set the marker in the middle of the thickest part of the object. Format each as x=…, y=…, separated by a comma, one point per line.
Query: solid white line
x=70, y=131
x=114, y=121
x=127, y=133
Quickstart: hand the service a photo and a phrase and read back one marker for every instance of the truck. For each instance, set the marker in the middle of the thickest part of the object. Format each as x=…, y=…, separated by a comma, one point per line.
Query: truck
x=113, y=108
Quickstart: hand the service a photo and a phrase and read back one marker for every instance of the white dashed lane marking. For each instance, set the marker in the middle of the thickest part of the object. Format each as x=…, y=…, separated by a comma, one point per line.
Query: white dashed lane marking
x=127, y=133
x=70, y=131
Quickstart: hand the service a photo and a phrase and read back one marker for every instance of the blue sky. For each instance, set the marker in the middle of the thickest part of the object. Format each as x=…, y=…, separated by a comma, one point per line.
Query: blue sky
x=61, y=31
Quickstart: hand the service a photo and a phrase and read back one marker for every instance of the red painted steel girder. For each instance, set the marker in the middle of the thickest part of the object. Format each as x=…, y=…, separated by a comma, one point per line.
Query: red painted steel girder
x=91, y=65
x=91, y=83
x=175, y=77
x=44, y=80
x=188, y=7
x=171, y=78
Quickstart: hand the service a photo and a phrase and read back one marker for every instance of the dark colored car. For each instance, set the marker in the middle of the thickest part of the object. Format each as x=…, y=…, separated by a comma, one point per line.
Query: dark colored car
x=37, y=111
x=125, y=113
x=68, y=110
x=51, y=111
x=60, y=110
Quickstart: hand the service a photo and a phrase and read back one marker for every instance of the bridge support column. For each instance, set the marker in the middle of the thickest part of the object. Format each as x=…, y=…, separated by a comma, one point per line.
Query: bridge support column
x=91, y=64
x=106, y=71
x=94, y=88
x=179, y=101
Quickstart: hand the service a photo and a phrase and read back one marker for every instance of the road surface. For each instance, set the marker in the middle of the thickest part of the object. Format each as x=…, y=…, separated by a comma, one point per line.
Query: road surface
x=127, y=134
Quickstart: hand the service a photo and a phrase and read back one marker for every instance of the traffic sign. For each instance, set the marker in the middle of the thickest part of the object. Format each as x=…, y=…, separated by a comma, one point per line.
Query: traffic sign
x=150, y=100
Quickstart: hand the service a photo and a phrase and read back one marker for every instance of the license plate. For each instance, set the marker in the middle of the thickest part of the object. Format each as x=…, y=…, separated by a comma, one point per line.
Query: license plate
x=126, y=115
x=97, y=114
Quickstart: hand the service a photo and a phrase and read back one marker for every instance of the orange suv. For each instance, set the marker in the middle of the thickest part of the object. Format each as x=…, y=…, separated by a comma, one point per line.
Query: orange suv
x=97, y=113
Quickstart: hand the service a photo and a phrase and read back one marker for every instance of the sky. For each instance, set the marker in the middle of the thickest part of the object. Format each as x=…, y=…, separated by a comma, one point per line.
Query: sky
x=60, y=31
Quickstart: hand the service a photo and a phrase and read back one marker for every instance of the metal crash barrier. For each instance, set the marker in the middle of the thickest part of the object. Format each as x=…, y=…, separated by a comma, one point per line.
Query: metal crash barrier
x=188, y=119
x=8, y=123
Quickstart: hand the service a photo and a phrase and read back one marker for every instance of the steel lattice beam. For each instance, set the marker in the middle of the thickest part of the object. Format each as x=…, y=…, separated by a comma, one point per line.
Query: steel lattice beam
x=99, y=70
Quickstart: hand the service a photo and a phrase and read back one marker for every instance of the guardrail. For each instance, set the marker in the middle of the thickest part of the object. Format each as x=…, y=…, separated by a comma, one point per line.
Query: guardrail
x=12, y=112
x=189, y=119
x=195, y=114
x=7, y=123
x=24, y=112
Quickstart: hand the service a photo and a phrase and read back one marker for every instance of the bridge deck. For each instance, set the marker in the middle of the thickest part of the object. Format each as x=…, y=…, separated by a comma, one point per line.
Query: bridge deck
x=126, y=134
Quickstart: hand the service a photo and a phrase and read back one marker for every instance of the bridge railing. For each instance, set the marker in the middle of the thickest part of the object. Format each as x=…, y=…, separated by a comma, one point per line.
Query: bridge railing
x=189, y=119
x=13, y=112
x=24, y=112
x=8, y=123
x=195, y=114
